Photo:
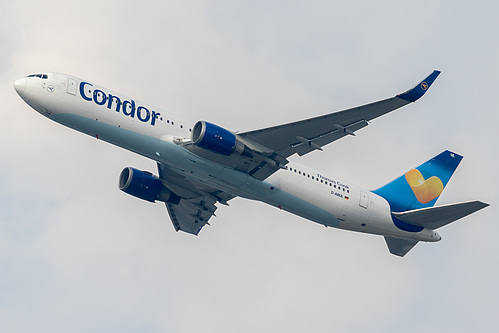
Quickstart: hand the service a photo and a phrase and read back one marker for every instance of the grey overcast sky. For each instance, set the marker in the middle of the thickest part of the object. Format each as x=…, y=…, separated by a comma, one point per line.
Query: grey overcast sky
x=78, y=255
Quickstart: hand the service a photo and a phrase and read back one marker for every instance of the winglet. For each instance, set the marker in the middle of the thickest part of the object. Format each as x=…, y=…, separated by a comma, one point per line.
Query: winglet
x=419, y=90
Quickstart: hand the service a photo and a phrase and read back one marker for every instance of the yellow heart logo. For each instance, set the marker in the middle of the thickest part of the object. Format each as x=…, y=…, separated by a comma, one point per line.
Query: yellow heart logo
x=424, y=190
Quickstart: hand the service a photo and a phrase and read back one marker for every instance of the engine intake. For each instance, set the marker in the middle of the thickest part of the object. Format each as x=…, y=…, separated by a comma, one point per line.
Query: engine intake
x=145, y=186
x=215, y=138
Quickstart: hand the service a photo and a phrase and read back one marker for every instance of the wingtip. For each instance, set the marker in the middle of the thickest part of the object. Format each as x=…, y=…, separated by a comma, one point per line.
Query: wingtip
x=483, y=204
x=420, y=89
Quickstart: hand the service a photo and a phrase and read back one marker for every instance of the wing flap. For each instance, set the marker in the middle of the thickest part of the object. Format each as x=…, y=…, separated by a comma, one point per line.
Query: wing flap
x=305, y=146
x=325, y=129
x=190, y=215
x=439, y=216
x=197, y=203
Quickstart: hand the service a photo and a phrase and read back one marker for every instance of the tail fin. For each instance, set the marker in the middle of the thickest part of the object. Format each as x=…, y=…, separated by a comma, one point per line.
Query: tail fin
x=421, y=187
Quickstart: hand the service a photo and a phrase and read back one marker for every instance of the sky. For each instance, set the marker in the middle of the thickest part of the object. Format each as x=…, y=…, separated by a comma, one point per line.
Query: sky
x=79, y=255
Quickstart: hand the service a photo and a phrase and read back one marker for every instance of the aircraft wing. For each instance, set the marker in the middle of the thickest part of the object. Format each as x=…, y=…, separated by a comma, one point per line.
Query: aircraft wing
x=197, y=203
x=304, y=136
x=269, y=148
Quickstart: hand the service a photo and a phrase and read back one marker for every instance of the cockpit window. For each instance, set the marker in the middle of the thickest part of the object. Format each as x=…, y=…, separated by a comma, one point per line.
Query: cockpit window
x=41, y=76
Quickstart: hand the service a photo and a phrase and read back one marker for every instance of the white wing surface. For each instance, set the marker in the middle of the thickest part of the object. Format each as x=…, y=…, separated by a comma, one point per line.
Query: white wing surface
x=198, y=201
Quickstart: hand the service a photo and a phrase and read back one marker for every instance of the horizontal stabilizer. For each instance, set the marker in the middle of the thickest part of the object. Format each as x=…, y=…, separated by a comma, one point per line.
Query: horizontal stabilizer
x=398, y=246
x=436, y=217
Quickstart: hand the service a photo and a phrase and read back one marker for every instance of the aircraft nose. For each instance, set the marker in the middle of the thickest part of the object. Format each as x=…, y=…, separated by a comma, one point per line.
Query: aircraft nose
x=20, y=85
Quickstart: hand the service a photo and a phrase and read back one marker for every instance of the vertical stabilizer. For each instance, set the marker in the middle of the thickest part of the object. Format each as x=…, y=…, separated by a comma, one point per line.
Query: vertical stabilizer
x=421, y=187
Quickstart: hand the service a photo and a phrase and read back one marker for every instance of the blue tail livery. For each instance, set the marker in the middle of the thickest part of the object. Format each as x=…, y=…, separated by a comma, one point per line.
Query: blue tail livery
x=420, y=187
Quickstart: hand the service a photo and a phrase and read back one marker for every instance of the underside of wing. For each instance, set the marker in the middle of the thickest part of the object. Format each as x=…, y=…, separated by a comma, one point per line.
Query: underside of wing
x=197, y=201
x=307, y=135
x=259, y=164
x=190, y=215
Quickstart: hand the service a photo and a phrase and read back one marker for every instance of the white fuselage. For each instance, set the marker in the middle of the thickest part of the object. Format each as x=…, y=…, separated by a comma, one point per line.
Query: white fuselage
x=151, y=132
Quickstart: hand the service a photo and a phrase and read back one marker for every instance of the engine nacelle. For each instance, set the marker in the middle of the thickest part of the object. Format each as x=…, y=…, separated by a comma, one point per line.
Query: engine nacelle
x=215, y=138
x=145, y=186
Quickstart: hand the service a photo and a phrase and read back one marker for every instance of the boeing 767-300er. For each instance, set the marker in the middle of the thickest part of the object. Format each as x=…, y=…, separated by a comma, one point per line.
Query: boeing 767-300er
x=202, y=164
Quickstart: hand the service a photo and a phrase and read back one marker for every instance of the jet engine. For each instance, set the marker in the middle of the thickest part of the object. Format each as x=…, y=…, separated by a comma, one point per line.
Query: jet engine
x=144, y=185
x=215, y=138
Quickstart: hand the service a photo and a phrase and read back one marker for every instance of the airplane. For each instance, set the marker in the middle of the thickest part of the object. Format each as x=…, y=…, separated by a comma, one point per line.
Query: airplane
x=202, y=165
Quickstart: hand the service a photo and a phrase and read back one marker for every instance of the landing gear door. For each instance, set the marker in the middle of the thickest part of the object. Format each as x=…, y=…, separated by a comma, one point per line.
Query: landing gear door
x=364, y=199
x=71, y=88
